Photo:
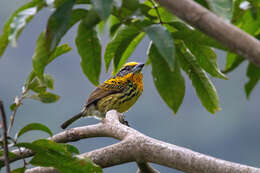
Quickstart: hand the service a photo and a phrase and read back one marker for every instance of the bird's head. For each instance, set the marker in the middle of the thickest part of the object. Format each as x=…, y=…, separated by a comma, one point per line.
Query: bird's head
x=130, y=68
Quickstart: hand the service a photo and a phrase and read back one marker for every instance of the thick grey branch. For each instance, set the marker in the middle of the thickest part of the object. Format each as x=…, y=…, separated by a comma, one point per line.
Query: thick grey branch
x=232, y=37
x=135, y=146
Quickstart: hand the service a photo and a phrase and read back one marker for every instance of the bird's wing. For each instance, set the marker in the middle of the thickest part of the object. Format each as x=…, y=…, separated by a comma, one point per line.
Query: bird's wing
x=104, y=90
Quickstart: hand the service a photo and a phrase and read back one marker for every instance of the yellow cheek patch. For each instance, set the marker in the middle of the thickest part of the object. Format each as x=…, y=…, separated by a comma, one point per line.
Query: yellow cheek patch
x=119, y=80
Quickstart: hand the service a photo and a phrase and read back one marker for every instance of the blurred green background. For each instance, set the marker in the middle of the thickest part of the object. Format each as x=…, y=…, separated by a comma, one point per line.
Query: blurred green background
x=231, y=134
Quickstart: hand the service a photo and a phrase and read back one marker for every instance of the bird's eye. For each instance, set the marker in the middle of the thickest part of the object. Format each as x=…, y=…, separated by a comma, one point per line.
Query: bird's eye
x=127, y=68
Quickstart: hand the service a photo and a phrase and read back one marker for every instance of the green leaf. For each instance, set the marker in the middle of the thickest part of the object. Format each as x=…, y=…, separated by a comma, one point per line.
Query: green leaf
x=77, y=15
x=253, y=73
x=58, y=3
x=114, y=28
x=43, y=57
x=165, y=15
x=232, y=62
x=49, y=81
x=83, y=1
x=89, y=48
x=131, y=5
x=37, y=86
x=29, y=79
x=40, y=56
x=13, y=106
x=37, y=81
x=237, y=11
x=127, y=10
x=45, y=97
x=206, y=58
x=66, y=149
x=71, y=149
x=129, y=50
x=7, y=29
x=11, y=155
x=254, y=8
x=117, y=46
x=103, y=7
x=65, y=164
x=62, y=49
x=48, y=97
x=92, y=19
x=245, y=21
x=34, y=126
x=101, y=27
x=2, y=144
x=58, y=24
x=222, y=8
x=114, y=25
x=145, y=11
x=59, y=156
x=19, y=170
x=40, y=86
x=43, y=145
x=163, y=42
x=19, y=23
x=204, y=88
x=170, y=84
x=188, y=34
x=204, y=3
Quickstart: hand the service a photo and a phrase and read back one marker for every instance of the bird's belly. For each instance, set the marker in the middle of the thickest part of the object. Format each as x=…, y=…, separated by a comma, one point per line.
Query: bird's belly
x=124, y=105
x=120, y=101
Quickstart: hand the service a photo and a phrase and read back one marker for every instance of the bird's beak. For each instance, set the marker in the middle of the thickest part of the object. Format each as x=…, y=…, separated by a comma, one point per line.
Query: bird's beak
x=138, y=68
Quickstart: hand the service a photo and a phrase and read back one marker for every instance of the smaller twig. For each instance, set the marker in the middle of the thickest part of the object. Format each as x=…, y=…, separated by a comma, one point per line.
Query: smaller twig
x=11, y=121
x=157, y=11
x=5, y=137
x=18, y=102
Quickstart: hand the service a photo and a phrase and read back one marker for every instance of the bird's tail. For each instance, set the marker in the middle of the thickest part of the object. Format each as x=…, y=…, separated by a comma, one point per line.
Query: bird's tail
x=71, y=120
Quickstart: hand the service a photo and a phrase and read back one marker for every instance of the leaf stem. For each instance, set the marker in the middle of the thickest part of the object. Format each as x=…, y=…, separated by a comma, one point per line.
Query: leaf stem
x=18, y=102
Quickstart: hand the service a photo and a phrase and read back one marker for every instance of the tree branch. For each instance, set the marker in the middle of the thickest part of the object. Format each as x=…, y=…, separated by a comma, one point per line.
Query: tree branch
x=232, y=37
x=136, y=147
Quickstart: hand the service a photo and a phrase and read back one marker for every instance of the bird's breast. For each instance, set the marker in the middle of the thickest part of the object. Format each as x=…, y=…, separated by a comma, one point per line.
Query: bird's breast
x=138, y=81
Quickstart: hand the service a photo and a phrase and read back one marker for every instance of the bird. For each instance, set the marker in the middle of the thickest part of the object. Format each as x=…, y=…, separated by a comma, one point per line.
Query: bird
x=120, y=92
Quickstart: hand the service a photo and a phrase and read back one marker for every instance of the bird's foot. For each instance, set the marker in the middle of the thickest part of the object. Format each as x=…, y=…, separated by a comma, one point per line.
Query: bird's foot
x=123, y=121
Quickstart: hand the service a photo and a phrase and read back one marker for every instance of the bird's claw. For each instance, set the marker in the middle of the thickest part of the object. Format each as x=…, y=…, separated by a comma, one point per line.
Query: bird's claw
x=123, y=121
